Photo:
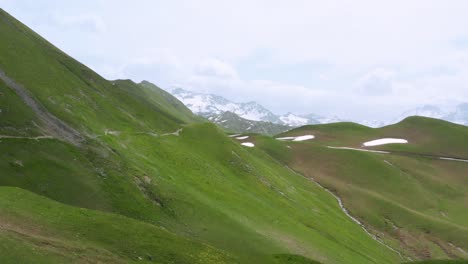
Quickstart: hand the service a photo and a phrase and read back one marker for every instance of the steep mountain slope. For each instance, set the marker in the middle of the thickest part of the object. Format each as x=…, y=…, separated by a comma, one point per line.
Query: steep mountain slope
x=162, y=188
x=168, y=102
x=409, y=197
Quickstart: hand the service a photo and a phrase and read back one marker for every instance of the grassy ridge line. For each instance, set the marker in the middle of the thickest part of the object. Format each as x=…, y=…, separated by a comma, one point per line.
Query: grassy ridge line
x=74, y=93
x=425, y=135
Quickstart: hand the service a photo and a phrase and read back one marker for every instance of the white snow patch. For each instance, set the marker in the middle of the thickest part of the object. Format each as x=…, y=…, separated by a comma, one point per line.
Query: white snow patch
x=300, y=138
x=286, y=138
x=303, y=138
x=453, y=159
x=384, y=141
x=248, y=144
x=236, y=135
x=242, y=138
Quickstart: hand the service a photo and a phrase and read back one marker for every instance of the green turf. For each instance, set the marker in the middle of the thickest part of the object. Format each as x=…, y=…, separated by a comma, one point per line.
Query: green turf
x=35, y=229
x=418, y=203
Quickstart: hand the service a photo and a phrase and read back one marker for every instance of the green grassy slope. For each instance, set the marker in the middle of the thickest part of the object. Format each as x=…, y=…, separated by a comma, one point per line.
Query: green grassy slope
x=71, y=91
x=203, y=187
x=230, y=194
x=34, y=229
x=425, y=135
x=335, y=134
x=17, y=119
x=168, y=102
x=416, y=203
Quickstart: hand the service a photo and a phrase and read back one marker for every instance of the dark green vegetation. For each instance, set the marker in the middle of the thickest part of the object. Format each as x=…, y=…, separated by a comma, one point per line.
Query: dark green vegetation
x=113, y=171
x=411, y=199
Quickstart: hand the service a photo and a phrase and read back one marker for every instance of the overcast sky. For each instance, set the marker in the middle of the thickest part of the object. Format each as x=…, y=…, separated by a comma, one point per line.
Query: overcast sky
x=355, y=59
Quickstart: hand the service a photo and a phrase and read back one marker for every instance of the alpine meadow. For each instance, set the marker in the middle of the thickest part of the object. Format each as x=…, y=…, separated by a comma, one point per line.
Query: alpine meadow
x=121, y=171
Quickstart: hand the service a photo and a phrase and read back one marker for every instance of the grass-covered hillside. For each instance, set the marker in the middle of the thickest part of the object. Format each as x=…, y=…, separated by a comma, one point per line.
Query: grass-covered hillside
x=98, y=171
x=409, y=197
x=425, y=136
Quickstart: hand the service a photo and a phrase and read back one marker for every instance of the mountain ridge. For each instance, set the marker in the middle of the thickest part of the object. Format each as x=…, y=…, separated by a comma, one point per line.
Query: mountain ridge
x=209, y=104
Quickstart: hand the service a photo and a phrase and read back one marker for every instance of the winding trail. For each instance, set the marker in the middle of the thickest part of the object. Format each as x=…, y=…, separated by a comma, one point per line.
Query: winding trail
x=358, y=149
x=31, y=138
x=346, y=212
x=117, y=133
x=402, y=154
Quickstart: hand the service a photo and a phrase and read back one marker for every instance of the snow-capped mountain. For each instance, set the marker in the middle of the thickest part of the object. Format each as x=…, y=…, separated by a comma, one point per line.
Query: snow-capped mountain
x=291, y=119
x=324, y=119
x=209, y=104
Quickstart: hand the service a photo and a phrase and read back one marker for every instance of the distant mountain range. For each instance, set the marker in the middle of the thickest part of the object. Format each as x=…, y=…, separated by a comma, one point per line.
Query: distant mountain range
x=243, y=117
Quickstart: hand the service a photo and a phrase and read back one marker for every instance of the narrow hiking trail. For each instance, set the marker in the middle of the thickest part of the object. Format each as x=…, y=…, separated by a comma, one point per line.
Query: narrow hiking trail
x=401, y=153
x=20, y=137
x=346, y=212
x=359, y=149
x=151, y=133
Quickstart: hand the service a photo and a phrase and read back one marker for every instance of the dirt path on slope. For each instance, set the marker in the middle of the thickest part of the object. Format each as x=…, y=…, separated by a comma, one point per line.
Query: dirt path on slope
x=51, y=124
x=31, y=138
x=346, y=212
x=403, y=153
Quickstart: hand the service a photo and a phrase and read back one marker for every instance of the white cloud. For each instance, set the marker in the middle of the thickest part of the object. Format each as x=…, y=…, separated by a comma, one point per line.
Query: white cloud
x=379, y=54
x=216, y=68
x=85, y=21
x=378, y=81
